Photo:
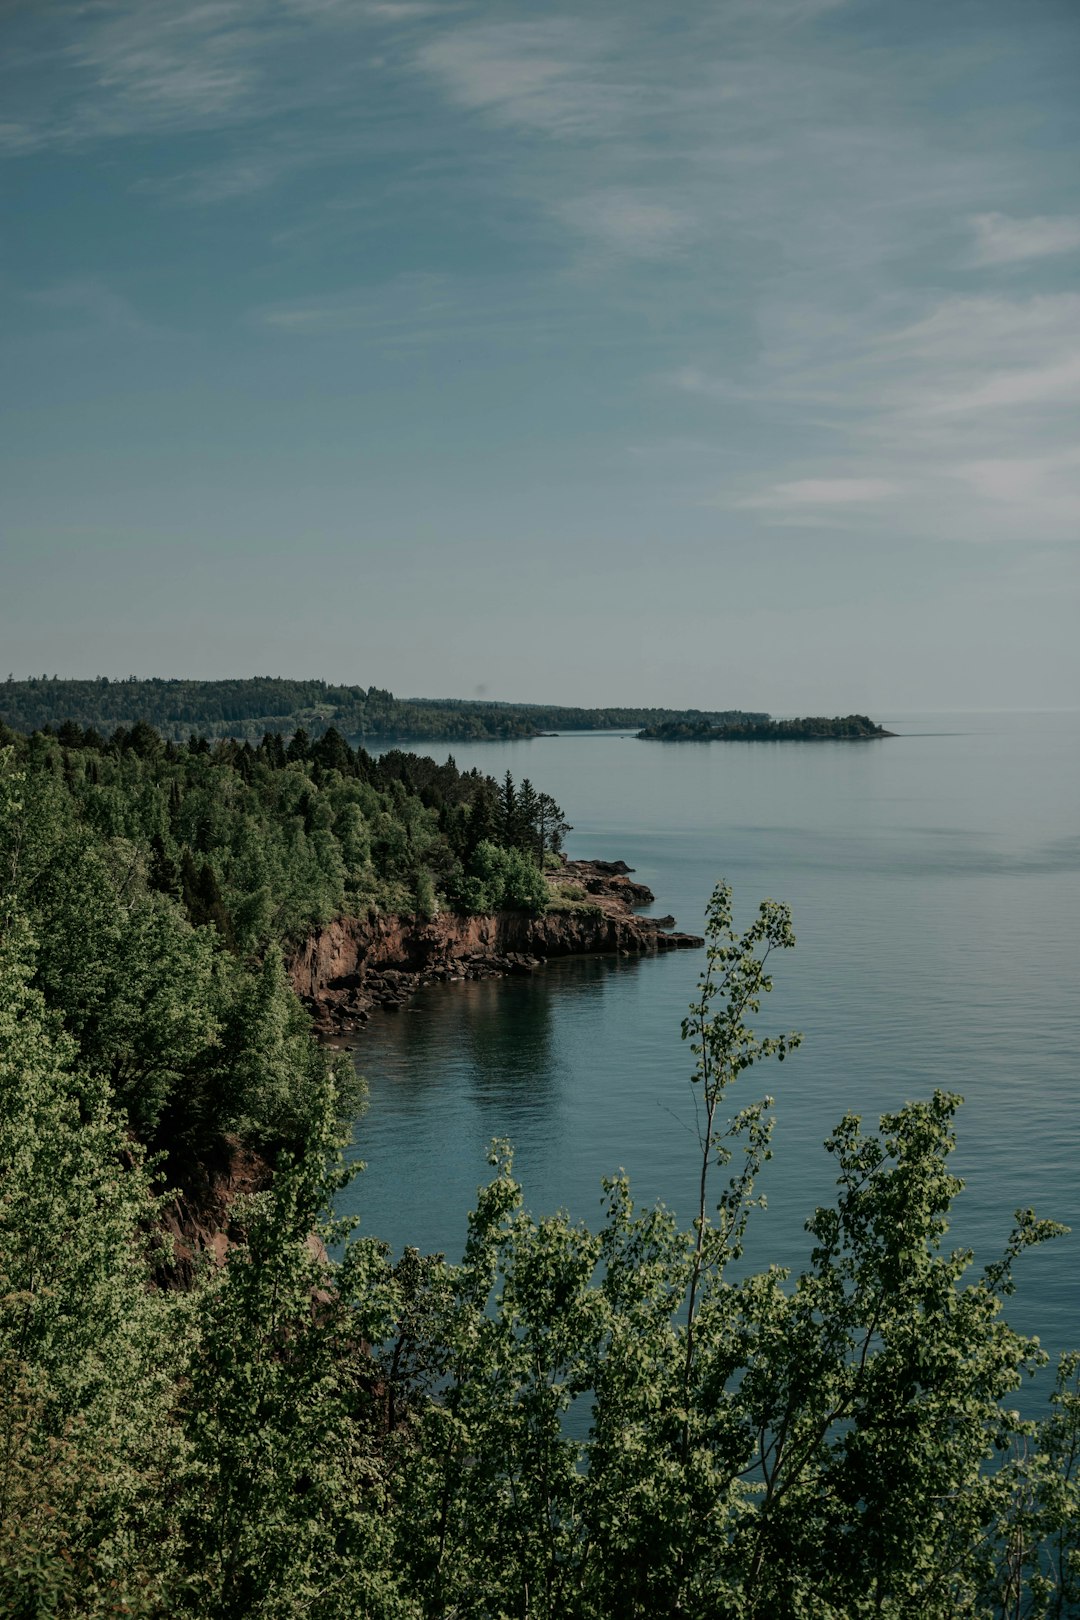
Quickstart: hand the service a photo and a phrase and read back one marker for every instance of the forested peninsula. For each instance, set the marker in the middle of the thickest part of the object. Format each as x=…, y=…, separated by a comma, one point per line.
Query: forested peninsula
x=811, y=728
x=245, y=709
x=218, y=1401
x=200, y=882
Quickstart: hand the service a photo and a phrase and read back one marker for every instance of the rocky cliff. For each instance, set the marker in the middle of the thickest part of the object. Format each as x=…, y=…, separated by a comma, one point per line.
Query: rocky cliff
x=344, y=970
x=353, y=965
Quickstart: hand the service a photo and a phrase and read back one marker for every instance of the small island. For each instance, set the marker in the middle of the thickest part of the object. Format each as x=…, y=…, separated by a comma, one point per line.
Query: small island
x=812, y=728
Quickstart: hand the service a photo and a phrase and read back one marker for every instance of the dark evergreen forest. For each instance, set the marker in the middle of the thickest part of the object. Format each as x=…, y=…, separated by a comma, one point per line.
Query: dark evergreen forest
x=811, y=728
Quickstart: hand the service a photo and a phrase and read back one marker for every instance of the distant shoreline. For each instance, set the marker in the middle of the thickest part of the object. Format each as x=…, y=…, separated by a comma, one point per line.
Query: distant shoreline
x=811, y=728
x=248, y=709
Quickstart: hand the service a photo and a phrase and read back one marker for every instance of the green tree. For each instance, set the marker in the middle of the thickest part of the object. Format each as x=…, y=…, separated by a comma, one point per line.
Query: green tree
x=757, y=1447
x=503, y=879
x=527, y=835
x=89, y=1358
x=299, y=746
x=427, y=905
x=284, y=1504
x=552, y=825
x=508, y=823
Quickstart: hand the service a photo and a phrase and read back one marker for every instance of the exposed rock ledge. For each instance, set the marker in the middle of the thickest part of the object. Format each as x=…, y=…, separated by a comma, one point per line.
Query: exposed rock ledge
x=351, y=966
x=344, y=970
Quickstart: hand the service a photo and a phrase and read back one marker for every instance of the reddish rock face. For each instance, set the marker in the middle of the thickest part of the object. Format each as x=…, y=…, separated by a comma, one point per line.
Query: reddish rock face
x=343, y=970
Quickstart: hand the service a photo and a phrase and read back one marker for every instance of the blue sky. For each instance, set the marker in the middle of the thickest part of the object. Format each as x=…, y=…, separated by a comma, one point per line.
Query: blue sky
x=719, y=354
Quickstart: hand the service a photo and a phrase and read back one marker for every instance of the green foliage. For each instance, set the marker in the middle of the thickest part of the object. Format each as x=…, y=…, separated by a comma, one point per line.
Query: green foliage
x=161, y=881
x=503, y=880
x=755, y=1448
x=266, y=843
x=284, y=1507
x=301, y=1435
x=88, y=1358
x=190, y=1041
x=427, y=906
x=571, y=897
x=245, y=709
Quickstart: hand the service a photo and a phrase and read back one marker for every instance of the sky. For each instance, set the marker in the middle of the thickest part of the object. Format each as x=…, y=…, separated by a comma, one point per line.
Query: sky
x=716, y=355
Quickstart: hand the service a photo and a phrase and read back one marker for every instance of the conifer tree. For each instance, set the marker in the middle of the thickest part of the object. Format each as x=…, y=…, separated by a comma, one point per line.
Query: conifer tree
x=507, y=812
x=527, y=832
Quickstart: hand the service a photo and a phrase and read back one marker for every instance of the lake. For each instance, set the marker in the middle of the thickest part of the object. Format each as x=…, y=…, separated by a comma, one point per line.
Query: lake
x=934, y=880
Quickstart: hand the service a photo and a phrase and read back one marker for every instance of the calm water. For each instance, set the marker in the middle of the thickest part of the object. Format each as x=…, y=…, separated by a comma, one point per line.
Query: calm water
x=935, y=885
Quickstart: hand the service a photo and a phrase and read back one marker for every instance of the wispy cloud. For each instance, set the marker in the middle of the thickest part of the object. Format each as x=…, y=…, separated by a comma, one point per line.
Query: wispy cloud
x=1054, y=382
x=351, y=12
x=760, y=199
x=1044, y=490
x=419, y=310
x=167, y=67
x=410, y=309
x=957, y=416
x=164, y=66
x=16, y=138
x=1001, y=239
x=552, y=76
x=623, y=222
x=808, y=493
x=94, y=305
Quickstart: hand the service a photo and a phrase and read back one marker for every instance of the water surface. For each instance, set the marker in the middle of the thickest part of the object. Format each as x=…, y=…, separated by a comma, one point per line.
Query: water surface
x=935, y=885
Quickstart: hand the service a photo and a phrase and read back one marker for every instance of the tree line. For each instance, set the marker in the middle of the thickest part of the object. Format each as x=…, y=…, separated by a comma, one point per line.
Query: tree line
x=245, y=709
x=811, y=728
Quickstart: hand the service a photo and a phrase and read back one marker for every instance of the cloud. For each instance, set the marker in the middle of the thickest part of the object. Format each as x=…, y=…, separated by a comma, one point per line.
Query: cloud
x=367, y=11
x=404, y=10
x=165, y=66
x=956, y=417
x=759, y=210
x=623, y=222
x=817, y=492
x=95, y=304
x=1055, y=382
x=971, y=355
x=1044, y=489
x=960, y=357
x=1001, y=239
x=694, y=380
x=19, y=137
x=137, y=68
x=245, y=174
x=418, y=310
x=552, y=76
x=411, y=308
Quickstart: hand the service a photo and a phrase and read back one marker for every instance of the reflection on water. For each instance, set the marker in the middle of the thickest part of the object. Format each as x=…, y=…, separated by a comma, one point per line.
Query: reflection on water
x=935, y=885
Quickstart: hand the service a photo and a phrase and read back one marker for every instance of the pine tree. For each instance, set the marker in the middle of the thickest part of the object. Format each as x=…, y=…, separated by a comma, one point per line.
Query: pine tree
x=553, y=825
x=299, y=748
x=163, y=874
x=273, y=749
x=507, y=813
x=528, y=835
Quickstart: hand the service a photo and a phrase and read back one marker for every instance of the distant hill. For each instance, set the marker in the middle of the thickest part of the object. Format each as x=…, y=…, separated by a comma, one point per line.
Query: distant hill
x=759, y=728
x=245, y=709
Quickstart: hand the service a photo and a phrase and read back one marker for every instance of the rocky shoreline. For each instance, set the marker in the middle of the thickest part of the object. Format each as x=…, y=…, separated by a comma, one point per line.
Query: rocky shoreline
x=348, y=969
